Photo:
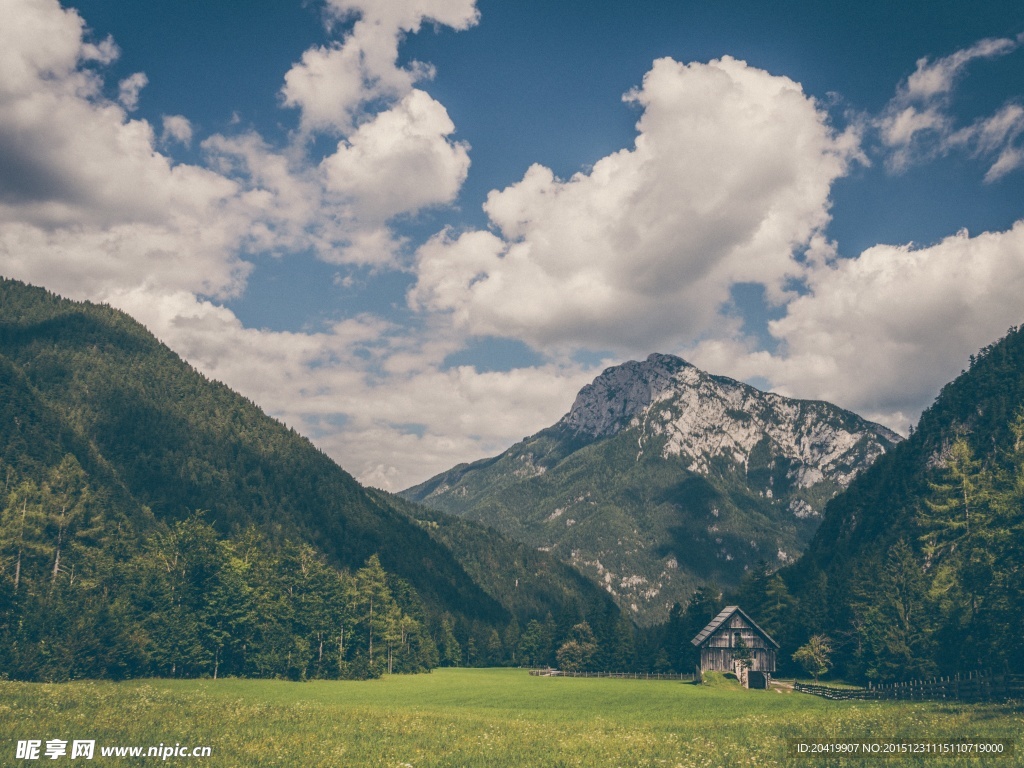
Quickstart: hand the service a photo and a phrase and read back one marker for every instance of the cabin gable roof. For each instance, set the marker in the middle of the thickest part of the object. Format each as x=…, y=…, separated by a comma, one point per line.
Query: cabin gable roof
x=724, y=616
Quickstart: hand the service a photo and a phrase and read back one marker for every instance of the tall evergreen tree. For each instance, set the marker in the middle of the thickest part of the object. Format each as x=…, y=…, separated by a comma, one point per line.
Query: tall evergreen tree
x=448, y=645
x=895, y=619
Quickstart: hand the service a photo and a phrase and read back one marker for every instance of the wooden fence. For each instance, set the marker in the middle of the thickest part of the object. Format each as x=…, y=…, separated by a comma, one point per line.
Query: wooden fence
x=620, y=675
x=973, y=686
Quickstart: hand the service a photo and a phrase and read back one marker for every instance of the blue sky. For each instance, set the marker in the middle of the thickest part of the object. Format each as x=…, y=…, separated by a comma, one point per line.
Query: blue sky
x=413, y=229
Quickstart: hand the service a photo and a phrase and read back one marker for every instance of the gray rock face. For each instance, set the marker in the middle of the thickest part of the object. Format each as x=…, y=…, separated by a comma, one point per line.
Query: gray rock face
x=608, y=405
x=686, y=412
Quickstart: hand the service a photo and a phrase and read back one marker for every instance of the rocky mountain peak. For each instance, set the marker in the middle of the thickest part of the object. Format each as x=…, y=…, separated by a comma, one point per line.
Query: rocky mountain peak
x=662, y=477
x=607, y=405
x=694, y=414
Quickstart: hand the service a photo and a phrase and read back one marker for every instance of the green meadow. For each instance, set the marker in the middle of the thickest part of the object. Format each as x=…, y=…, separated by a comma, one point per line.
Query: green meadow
x=478, y=717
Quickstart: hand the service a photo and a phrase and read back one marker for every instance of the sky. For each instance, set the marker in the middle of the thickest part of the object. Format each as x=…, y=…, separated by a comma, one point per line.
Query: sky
x=413, y=229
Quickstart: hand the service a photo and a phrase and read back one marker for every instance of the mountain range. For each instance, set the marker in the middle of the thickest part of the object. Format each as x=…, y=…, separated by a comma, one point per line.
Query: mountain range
x=153, y=522
x=662, y=477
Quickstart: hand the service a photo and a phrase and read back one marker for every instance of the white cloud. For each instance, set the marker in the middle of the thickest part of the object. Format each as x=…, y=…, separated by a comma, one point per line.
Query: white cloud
x=937, y=78
x=332, y=84
x=43, y=40
x=918, y=123
x=281, y=200
x=407, y=16
x=374, y=396
x=399, y=162
x=329, y=86
x=1010, y=159
x=89, y=206
x=996, y=136
x=177, y=128
x=900, y=128
x=86, y=204
x=90, y=262
x=728, y=178
x=129, y=90
x=880, y=333
x=396, y=155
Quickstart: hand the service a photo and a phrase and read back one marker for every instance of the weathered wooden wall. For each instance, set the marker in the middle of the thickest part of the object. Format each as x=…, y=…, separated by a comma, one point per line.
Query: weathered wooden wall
x=721, y=659
x=717, y=653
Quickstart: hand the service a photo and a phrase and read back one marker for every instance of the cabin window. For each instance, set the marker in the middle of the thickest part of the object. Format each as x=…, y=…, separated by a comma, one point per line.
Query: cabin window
x=736, y=638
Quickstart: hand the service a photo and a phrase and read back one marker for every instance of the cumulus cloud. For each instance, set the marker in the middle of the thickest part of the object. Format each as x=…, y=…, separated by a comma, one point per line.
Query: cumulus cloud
x=86, y=203
x=129, y=90
x=880, y=333
x=918, y=123
x=177, y=128
x=728, y=180
x=332, y=84
x=400, y=161
x=397, y=163
x=89, y=205
x=373, y=395
x=396, y=154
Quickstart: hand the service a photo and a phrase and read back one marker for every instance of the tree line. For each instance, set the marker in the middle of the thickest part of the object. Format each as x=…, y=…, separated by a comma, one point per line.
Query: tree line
x=87, y=591
x=84, y=594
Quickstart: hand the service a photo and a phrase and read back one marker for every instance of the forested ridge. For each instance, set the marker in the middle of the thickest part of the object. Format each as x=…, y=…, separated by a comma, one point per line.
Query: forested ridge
x=177, y=442
x=153, y=522
x=918, y=567
x=546, y=597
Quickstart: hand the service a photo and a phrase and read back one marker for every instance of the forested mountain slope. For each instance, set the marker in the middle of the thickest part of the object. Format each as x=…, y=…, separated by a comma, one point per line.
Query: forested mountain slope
x=529, y=583
x=918, y=566
x=96, y=384
x=662, y=478
x=152, y=522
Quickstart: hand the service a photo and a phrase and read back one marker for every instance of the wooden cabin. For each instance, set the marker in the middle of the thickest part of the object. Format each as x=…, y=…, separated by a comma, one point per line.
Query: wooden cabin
x=722, y=641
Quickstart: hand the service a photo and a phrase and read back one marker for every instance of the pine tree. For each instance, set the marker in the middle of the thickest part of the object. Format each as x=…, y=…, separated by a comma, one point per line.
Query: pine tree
x=623, y=657
x=955, y=502
x=894, y=619
x=448, y=645
x=511, y=640
x=71, y=519
x=494, y=649
x=532, y=643
x=376, y=614
x=23, y=546
x=777, y=607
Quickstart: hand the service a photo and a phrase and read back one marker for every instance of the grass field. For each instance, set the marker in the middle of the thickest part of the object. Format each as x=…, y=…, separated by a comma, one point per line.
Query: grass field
x=462, y=717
